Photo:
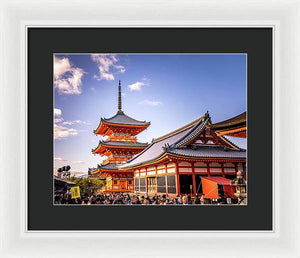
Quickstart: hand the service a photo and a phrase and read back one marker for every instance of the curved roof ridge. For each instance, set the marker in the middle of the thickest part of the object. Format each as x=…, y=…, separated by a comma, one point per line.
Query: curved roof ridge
x=121, y=142
x=137, y=155
x=179, y=130
x=193, y=133
x=121, y=118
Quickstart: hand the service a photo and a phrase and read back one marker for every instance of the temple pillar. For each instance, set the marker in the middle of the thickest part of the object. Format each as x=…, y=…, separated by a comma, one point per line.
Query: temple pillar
x=223, y=172
x=177, y=179
x=194, y=184
x=208, y=169
x=194, y=179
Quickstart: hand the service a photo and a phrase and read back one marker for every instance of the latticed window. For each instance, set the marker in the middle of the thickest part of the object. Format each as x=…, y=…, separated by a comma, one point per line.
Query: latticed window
x=152, y=184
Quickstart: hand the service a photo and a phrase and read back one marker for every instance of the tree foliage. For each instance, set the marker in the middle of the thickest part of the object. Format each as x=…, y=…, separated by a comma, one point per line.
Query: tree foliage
x=87, y=185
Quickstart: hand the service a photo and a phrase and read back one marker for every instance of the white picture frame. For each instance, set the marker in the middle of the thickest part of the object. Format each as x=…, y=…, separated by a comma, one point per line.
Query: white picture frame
x=283, y=16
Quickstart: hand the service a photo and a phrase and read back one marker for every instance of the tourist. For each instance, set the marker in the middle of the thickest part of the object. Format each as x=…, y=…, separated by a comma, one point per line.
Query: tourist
x=134, y=199
x=184, y=200
x=197, y=200
x=179, y=199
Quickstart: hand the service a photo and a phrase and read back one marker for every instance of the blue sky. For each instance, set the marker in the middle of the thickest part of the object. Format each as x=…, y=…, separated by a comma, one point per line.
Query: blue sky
x=168, y=90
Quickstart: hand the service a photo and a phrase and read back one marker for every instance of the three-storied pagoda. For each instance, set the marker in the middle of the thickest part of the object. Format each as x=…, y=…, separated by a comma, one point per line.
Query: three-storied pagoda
x=119, y=146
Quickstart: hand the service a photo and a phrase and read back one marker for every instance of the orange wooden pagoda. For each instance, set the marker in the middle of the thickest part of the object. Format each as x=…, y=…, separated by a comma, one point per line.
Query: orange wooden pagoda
x=120, y=145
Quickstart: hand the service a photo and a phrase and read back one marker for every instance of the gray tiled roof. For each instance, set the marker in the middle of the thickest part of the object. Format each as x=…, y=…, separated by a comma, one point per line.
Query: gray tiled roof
x=155, y=149
x=122, y=118
x=174, y=143
x=121, y=143
x=193, y=133
x=111, y=166
x=206, y=151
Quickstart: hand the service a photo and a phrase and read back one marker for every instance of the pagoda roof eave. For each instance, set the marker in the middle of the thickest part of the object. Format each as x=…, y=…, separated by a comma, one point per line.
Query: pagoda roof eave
x=106, y=168
x=146, y=124
x=121, y=118
x=119, y=145
x=105, y=125
x=109, y=168
x=123, y=144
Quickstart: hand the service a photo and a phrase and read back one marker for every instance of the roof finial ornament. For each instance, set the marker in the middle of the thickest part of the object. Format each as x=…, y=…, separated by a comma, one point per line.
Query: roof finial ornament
x=207, y=116
x=120, y=98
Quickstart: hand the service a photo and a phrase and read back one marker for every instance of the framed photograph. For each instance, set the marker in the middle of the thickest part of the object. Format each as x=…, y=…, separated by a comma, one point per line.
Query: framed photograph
x=186, y=161
x=197, y=163
x=145, y=133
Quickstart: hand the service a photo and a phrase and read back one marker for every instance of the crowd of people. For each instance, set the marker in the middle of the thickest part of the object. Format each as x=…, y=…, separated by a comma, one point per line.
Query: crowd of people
x=133, y=199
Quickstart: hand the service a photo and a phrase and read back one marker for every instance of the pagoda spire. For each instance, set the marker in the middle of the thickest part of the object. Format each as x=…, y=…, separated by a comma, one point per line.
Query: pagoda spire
x=120, y=98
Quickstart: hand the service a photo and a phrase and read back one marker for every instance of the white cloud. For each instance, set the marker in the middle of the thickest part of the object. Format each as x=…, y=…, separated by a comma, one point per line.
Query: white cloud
x=61, y=132
x=72, y=161
x=61, y=66
x=107, y=66
x=150, y=103
x=68, y=123
x=57, y=112
x=75, y=122
x=60, y=129
x=136, y=86
x=77, y=161
x=120, y=68
x=67, y=79
x=57, y=115
x=58, y=120
x=59, y=159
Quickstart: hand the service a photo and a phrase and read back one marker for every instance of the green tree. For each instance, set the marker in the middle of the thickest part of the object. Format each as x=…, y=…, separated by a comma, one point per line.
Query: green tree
x=87, y=185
